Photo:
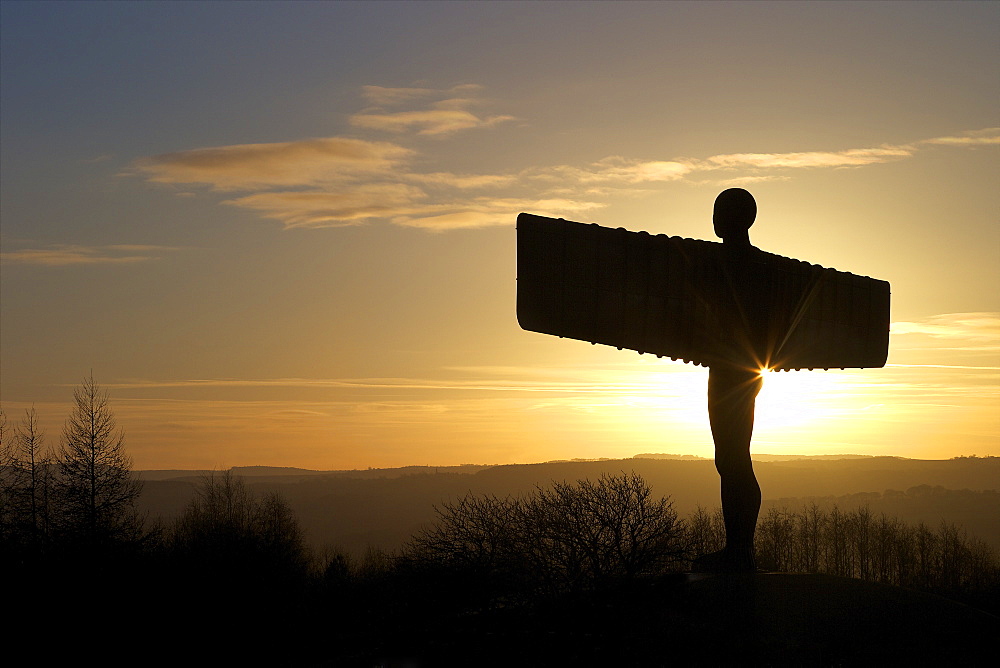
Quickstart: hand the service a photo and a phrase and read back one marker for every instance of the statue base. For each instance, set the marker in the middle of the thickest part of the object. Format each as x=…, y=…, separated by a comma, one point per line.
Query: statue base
x=820, y=620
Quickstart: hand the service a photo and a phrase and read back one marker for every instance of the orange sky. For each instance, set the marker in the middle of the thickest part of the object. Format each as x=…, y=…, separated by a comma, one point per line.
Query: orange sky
x=283, y=234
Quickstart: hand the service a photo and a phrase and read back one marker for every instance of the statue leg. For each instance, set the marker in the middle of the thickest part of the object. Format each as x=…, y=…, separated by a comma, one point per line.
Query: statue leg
x=731, y=396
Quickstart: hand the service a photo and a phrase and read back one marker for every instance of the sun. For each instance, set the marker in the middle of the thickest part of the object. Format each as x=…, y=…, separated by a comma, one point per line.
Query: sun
x=664, y=408
x=794, y=398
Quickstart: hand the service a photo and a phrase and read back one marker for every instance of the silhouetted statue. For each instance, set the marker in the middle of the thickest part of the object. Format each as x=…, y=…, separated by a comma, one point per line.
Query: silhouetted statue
x=730, y=306
x=734, y=379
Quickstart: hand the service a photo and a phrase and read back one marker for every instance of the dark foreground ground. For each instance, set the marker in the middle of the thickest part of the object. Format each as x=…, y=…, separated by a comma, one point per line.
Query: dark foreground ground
x=772, y=619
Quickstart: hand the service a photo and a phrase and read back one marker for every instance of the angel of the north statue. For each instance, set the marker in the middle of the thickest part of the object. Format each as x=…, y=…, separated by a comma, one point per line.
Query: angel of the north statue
x=728, y=306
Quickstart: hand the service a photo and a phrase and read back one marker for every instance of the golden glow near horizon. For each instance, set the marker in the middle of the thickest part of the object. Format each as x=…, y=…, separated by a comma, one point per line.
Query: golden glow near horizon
x=304, y=255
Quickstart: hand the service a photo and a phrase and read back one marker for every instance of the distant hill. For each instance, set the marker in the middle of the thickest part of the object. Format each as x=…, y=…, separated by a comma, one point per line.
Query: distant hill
x=754, y=456
x=384, y=507
x=284, y=473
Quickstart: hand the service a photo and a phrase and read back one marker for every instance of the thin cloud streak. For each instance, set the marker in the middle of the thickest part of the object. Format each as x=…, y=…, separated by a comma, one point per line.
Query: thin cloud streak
x=427, y=122
x=368, y=409
x=984, y=137
x=945, y=366
x=488, y=212
x=399, y=203
x=977, y=332
x=387, y=96
x=807, y=159
x=614, y=170
x=898, y=379
x=626, y=170
x=976, y=326
x=63, y=255
x=445, y=116
x=463, y=400
x=582, y=387
x=324, y=208
x=261, y=166
x=462, y=181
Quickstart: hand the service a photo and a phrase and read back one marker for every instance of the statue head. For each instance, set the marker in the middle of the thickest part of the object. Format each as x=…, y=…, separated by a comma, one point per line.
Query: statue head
x=735, y=211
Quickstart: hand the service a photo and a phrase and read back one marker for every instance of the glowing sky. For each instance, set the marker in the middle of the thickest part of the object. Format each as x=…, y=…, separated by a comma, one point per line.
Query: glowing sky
x=283, y=233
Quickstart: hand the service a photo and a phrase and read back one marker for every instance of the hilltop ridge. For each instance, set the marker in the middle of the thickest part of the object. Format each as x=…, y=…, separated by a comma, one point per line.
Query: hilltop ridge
x=384, y=507
x=268, y=471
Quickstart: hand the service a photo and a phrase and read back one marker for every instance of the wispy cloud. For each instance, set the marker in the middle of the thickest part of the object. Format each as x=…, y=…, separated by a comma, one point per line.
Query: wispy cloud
x=483, y=379
x=340, y=181
x=615, y=170
x=462, y=181
x=667, y=388
x=962, y=333
x=855, y=157
x=385, y=96
x=388, y=96
x=261, y=166
x=58, y=255
x=399, y=203
x=984, y=137
x=750, y=167
x=427, y=121
x=976, y=326
x=488, y=212
x=449, y=113
x=619, y=170
x=350, y=205
x=966, y=367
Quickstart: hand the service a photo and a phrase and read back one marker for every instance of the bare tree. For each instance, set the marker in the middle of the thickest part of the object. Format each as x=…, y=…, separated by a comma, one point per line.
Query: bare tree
x=707, y=531
x=5, y=445
x=25, y=479
x=475, y=532
x=564, y=538
x=32, y=469
x=226, y=526
x=6, y=482
x=96, y=490
x=605, y=529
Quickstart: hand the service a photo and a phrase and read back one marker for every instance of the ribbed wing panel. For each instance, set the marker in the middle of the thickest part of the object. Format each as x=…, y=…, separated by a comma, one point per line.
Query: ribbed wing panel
x=697, y=301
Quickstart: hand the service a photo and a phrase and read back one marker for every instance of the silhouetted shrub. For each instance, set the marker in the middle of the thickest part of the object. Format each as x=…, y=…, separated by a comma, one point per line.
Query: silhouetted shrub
x=569, y=537
x=226, y=529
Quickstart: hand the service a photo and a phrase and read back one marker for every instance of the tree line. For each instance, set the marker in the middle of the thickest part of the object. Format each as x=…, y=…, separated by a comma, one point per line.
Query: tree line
x=860, y=544
x=81, y=497
x=585, y=535
x=231, y=575
x=81, y=493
